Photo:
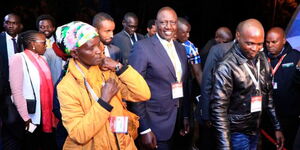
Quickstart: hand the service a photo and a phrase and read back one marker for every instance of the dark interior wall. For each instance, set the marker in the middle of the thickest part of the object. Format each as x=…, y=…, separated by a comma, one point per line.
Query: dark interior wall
x=205, y=16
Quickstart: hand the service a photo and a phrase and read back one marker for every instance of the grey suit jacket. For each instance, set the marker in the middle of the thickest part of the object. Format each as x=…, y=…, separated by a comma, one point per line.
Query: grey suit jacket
x=122, y=40
x=114, y=52
x=215, y=55
x=151, y=60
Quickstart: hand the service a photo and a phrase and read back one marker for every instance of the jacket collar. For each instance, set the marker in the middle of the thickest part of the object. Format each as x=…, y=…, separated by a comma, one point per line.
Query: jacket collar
x=90, y=73
x=238, y=54
x=286, y=49
x=241, y=57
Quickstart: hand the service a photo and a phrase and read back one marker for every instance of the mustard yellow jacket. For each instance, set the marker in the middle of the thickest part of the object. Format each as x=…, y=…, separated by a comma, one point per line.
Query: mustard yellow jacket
x=86, y=121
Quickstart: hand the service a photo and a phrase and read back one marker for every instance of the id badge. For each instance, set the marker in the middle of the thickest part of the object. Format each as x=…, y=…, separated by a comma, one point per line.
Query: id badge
x=275, y=85
x=256, y=103
x=177, y=90
x=118, y=124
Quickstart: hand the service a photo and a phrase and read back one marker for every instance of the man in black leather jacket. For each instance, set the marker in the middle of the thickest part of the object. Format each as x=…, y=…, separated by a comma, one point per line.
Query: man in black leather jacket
x=240, y=92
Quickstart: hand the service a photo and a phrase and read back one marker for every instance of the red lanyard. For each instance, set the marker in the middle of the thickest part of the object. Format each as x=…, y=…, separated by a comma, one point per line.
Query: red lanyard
x=277, y=65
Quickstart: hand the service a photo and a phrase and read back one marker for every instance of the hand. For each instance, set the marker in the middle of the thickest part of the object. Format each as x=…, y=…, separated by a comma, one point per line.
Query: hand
x=149, y=140
x=108, y=64
x=279, y=140
x=186, y=127
x=109, y=90
x=27, y=124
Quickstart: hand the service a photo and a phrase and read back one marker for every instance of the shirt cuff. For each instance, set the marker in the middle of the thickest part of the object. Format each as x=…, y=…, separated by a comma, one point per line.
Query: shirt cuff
x=121, y=70
x=105, y=105
x=146, y=131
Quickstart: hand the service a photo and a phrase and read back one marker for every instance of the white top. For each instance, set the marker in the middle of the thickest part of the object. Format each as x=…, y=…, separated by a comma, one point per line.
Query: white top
x=10, y=45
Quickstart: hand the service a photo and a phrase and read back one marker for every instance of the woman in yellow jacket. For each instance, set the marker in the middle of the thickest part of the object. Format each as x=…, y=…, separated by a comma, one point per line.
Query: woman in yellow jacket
x=91, y=92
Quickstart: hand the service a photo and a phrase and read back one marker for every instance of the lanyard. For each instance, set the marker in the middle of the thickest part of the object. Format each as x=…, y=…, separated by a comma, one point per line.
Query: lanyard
x=256, y=82
x=277, y=65
x=91, y=91
x=134, y=35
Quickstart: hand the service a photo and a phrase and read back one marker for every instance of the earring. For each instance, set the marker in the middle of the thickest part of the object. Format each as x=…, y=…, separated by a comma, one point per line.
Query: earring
x=33, y=48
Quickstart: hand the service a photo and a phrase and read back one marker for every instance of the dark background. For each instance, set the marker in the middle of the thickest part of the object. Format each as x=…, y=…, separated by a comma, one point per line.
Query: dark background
x=205, y=16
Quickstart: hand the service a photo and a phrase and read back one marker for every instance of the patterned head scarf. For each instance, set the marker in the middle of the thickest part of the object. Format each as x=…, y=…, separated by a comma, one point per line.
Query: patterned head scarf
x=73, y=35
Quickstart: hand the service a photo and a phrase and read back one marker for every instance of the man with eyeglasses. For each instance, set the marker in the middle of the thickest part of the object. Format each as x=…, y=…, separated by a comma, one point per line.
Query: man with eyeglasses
x=8, y=47
x=128, y=36
x=163, y=64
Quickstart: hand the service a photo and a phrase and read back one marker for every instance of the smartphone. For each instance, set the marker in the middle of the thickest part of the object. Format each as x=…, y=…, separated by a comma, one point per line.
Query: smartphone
x=31, y=128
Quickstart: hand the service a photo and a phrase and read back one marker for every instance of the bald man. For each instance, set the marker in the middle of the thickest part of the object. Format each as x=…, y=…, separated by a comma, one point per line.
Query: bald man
x=163, y=64
x=242, y=84
x=284, y=59
x=222, y=35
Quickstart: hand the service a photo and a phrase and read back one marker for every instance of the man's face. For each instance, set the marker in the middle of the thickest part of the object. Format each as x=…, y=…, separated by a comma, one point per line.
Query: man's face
x=106, y=31
x=130, y=25
x=166, y=24
x=46, y=27
x=183, y=33
x=12, y=25
x=251, y=41
x=91, y=53
x=152, y=30
x=275, y=42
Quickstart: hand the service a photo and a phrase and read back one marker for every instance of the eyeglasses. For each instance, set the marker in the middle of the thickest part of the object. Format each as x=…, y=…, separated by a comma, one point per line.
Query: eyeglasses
x=40, y=41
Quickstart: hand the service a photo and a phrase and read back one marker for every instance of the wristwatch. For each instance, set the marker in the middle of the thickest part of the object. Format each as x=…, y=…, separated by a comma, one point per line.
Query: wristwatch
x=118, y=67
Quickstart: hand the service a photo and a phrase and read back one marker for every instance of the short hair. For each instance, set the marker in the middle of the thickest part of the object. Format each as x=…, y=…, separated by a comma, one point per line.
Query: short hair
x=99, y=17
x=16, y=15
x=128, y=15
x=45, y=17
x=26, y=37
x=184, y=21
x=150, y=23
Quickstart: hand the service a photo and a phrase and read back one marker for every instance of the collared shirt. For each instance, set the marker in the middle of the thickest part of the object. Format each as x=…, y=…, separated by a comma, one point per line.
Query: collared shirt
x=172, y=53
x=50, y=41
x=134, y=36
x=106, y=51
x=192, y=52
x=10, y=45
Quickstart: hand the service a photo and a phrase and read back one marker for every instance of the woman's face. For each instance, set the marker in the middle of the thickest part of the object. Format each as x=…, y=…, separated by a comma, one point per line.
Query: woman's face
x=39, y=44
x=91, y=53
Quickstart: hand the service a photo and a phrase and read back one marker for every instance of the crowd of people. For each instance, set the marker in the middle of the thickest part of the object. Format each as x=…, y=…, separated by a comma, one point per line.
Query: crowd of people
x=82, y=86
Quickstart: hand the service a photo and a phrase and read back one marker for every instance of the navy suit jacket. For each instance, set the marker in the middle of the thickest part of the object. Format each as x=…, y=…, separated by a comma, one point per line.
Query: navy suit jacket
x=151, y=60
x=122, y=40
x=4, y=65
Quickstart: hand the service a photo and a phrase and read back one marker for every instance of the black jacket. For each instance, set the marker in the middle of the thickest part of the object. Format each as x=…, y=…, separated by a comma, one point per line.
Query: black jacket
x=286, y=93
x=231, y=96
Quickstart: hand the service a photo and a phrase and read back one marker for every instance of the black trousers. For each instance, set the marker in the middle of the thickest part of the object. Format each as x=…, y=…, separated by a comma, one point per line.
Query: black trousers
x=297, y=140
x=9, y=140
x=39, y=140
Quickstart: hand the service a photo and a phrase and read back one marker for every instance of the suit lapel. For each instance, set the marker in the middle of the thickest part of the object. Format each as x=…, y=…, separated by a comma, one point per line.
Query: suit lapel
x=163, y=55
x=182, y=57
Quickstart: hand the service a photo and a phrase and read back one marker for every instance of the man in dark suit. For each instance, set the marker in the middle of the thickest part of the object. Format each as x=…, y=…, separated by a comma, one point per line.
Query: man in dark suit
x=128, y=36
x=105, y=26
x=163, y=64
x=8, y=46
